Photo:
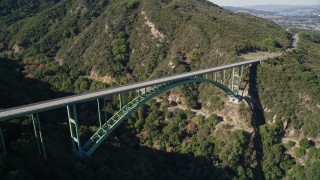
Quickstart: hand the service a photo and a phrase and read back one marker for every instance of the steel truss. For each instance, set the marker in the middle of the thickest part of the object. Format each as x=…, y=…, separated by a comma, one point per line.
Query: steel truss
x=124, y=111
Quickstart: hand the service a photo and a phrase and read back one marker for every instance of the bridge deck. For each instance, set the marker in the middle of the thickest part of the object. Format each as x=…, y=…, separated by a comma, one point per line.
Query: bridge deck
x=61, y=102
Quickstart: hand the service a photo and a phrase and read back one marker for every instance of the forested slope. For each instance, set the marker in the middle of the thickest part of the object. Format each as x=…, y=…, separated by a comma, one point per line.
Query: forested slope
x=289, y=89
x=121, y=41
x=54, y=48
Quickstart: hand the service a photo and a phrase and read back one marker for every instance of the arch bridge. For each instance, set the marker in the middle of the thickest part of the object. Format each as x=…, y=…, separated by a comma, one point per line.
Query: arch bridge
x=226, y=77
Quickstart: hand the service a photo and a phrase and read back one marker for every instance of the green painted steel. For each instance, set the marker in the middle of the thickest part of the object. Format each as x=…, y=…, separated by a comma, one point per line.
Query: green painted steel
x=216, y=76
x=239, y=76
x=99, y=112
x=38, y=134
x=105, y=109
x=41, y=139
x=2, y=144
x=102, y=112
x=241, y=71
x=74, y=129
x=224, y=77
x=232, y=81
x=102, y=133
x=236, y=79
x=26, y=110
x=34, y=119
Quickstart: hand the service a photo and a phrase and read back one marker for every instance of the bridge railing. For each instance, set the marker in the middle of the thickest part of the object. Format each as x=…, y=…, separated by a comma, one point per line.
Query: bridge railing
x=62, y=102
x=71, y=101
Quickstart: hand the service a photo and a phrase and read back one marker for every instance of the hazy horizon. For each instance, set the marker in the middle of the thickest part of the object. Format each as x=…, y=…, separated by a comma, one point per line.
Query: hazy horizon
x=264, y=2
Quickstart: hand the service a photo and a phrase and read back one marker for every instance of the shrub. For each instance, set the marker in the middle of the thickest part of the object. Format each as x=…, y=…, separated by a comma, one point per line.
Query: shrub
x=304, y=143
x=290, y=144
x=132, y=4
x=300, y=152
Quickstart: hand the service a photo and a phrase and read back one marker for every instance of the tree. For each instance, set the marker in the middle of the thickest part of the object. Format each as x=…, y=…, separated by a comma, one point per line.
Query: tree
x=313, y=169
x=132, y=4
x=304, y=143
x=290, y=144
x=300, y=152
x=119, y=48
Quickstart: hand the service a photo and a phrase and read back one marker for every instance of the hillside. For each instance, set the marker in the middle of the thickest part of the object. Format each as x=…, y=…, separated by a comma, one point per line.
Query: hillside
x=114, y=41
x=53, y=48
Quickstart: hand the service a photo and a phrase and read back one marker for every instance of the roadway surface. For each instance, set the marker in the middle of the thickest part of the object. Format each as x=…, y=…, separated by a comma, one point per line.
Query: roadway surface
x=62, y=102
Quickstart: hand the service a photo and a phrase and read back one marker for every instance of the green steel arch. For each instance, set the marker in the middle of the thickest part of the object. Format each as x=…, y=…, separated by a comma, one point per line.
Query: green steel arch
x=102, y=133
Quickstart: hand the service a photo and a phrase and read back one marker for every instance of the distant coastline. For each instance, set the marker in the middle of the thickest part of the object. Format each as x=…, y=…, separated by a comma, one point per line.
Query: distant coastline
x=287, y=16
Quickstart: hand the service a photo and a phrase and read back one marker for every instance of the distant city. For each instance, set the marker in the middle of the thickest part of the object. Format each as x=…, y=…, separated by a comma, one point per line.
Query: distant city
x=287, y=16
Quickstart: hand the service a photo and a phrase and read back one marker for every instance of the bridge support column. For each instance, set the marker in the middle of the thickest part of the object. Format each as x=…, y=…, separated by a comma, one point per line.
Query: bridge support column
x=224, y=77
x=105, y=110
x=235, y=80
x=120, y=101
x=239, y=78
x=99, y=113
x=38, y=135
x=2, y=144
x=100, y=109
x=74, y=129
x=241, y=71
x=232, y=79
x=235, y=87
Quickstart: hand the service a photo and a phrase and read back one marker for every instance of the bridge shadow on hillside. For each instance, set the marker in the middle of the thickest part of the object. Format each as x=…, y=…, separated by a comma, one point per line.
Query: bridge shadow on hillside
x=17, y=89
x=118, y=160
x=115, y=159
x=254, y=99
x=120, y=157
x=146, y=163
x=258, y=118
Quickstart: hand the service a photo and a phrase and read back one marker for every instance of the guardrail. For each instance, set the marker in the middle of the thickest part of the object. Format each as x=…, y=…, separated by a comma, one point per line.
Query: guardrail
x=19, y=111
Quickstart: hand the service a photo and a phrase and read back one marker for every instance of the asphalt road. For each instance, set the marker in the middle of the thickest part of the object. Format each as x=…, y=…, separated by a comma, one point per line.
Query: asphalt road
x=62, y=102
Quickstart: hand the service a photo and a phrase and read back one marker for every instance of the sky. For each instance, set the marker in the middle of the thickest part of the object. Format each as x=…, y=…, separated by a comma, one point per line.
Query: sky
x=263, y=2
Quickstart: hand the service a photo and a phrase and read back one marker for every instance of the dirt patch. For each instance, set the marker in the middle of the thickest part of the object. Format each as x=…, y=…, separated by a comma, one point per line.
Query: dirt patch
x=232, y=115
x=175, y=99
x=94, y=75
x=156, y=33
x=191, y=127
x=16, y=48
x=171, y=65
x=59, y=60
